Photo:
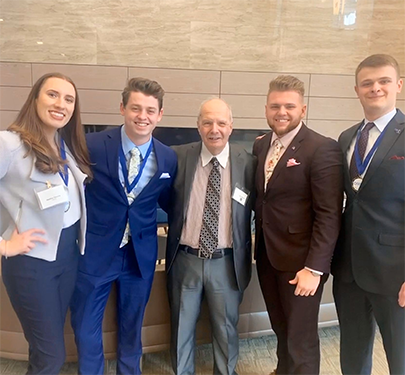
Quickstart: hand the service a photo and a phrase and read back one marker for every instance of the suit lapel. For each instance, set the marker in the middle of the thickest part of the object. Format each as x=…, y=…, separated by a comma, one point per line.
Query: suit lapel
x=394, y=129
x=345, y=144
x=294, y=146
x=38, y=176
x=237, y=170
x=112, y=145
x=192, y=157
x=262, y=158
x=236, y=166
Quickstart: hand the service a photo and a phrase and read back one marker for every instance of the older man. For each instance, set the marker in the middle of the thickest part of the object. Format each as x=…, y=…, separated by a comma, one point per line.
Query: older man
x=209, y=240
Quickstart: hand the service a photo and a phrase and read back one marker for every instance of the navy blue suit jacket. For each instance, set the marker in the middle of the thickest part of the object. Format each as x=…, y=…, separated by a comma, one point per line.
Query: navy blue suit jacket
x=108, y=210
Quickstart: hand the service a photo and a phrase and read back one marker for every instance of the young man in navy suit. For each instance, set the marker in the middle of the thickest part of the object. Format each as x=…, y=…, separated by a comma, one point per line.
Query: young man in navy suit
x=369, y=261
x=133, y=172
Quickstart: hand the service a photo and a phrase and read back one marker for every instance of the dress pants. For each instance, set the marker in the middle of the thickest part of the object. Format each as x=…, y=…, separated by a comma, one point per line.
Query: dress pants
x=40, y=293
x=189, y=280
x=358, y=312
x=88, y=305
x=293, y=318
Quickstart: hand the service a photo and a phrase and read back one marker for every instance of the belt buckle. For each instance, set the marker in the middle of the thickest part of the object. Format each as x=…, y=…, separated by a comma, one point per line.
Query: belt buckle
x=202, y=256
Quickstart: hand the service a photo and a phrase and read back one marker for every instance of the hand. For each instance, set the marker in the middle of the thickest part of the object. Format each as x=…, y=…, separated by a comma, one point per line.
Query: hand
x=307, y=284
x=401, y=296
x=21, y=243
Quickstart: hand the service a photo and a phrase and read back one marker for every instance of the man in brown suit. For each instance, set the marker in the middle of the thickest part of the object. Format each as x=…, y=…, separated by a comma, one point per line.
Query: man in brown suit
x=299, y=183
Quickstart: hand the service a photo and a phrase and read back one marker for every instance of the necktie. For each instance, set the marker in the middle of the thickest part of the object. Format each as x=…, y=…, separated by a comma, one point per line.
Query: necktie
x=275, y=156
x=133, y=169
x=362, y=145
x=208, y=242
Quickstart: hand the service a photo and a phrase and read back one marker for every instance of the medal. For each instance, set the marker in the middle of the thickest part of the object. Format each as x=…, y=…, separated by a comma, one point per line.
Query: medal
x=356, y=183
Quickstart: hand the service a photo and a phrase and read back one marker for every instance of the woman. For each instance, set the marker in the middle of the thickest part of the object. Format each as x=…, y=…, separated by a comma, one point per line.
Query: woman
x=44, y=162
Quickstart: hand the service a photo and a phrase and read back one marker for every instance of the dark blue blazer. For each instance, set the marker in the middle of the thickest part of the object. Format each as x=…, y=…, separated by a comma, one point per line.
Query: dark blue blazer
x=108, y=209
x=371, y=245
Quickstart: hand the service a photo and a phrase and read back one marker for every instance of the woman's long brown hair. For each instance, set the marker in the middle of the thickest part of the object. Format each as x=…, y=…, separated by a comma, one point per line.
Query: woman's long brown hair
x=31, y=130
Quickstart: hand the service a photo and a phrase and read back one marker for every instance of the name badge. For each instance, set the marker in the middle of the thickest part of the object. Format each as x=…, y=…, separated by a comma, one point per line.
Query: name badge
x=240, y=194
x=52, y=197
x=356, y=183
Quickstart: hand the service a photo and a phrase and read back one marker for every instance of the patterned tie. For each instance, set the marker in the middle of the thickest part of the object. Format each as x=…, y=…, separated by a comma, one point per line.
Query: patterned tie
x=362, y=144
x=273, y=160
x=208, y=242
x=133, y=169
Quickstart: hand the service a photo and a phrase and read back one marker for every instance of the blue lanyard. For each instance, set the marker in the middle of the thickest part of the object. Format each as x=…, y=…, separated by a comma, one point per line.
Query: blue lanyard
x=123, y=162
x=361, y=166
x=65, y=174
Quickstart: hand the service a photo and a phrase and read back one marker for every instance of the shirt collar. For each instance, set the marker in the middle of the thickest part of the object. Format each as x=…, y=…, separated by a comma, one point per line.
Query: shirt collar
x=222, y=157
x=286, y=139
x=383, y=121
x=128, y=145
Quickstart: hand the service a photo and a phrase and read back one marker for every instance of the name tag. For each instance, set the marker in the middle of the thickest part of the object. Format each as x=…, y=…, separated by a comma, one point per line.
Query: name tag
x=52, y=197
x=240, y=194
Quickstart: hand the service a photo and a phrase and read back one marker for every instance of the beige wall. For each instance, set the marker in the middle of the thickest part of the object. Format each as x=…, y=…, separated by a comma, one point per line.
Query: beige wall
x=332, y=103
x=300, y=36
x=198, y=48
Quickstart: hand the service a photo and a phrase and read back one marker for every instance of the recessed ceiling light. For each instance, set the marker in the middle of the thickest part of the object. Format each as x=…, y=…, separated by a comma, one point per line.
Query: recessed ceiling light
x=39, y=42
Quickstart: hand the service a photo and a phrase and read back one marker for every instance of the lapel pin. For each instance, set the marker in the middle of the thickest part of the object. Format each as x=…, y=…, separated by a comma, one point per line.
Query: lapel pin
x=398, y=131
x=293, y=148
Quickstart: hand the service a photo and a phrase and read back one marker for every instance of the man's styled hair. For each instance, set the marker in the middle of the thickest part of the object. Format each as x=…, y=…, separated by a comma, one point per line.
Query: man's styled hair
x=287, y=83
x=377, y=61
x=146, y=87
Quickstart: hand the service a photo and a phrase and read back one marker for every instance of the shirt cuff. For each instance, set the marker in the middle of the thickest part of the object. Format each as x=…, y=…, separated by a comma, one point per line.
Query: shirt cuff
x=314, y=271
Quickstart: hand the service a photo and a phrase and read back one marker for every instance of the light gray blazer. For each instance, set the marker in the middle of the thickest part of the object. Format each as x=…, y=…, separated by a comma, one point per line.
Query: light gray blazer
x=18, y=203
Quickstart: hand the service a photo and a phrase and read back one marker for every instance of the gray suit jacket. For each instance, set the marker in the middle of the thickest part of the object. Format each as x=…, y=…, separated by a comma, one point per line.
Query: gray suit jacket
x=18, y=203
x=243, y=167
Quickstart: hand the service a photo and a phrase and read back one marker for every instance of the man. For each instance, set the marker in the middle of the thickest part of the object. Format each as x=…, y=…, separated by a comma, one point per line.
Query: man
x=369, y=261
x=132, y=171
x=209, y=239
x=298, y=210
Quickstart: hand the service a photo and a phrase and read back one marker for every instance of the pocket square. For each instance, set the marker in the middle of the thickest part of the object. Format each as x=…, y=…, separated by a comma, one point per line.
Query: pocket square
x=164, y=175
x=395, y=157
x=292, y=163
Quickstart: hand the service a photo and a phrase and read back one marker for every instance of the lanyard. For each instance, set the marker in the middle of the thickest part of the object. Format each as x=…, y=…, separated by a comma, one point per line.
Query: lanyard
x=123, y=162
x=65, y=174
x=361, y=166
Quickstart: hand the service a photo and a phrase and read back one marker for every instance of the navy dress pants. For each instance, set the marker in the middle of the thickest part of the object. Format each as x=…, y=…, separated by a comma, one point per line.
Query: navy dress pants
x=88, y=305
x=40, y=292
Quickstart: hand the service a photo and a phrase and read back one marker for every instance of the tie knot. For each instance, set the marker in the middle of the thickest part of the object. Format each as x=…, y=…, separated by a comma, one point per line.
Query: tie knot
x=368, y=126
x=215, y=162
x=135, y=152
x=277, y=143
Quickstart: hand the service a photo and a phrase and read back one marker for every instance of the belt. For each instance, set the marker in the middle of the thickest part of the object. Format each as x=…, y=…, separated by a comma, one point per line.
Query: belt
x=218, y=253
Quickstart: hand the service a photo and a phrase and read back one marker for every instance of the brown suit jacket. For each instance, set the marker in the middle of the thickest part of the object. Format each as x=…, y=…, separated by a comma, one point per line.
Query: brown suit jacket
x=299, y=214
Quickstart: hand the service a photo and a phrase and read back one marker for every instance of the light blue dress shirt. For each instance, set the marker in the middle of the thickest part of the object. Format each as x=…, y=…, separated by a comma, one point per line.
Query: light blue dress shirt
x=150, y=167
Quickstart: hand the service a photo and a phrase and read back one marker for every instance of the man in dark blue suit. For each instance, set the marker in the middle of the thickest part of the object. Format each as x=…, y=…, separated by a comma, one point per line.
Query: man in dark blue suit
x=369, y=260
x=132, y=173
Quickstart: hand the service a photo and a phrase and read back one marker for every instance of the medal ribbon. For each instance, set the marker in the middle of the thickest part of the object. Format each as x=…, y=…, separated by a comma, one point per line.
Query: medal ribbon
x=65, y=174
x=362, y=165
x=123, y=162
